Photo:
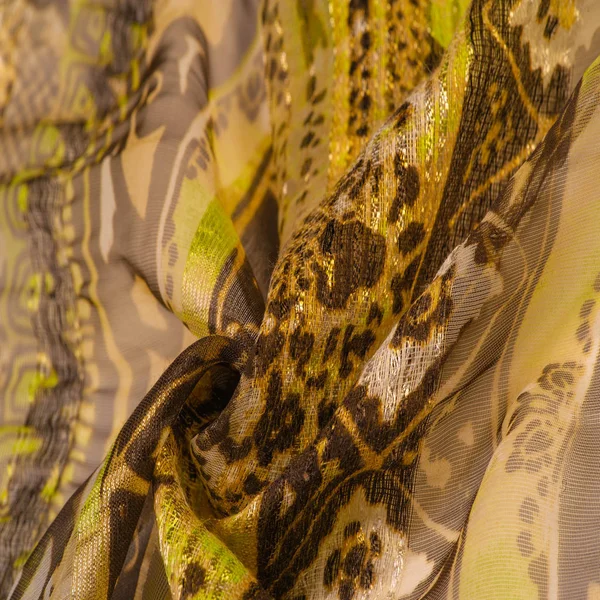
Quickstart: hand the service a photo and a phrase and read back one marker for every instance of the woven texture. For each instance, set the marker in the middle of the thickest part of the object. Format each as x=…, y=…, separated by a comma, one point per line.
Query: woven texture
x=351, y=248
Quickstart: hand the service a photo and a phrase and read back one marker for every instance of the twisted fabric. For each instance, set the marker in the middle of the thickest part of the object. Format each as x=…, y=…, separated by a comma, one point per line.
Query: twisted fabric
x=363, y=234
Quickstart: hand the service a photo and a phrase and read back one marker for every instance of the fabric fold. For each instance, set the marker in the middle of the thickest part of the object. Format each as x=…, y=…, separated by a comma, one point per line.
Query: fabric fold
x=380, y=220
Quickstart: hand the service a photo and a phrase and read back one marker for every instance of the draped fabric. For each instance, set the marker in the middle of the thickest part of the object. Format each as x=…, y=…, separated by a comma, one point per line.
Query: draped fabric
x=299, y=299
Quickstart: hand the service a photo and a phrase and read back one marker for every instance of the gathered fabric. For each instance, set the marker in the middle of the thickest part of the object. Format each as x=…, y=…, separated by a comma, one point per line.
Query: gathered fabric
x=300, y=299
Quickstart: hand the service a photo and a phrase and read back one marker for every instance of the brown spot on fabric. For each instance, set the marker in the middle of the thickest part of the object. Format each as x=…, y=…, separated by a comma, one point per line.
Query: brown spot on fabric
x=332, y=568
x=319, y=97
x=412, y=185
x=411, y=237
x=280, y=423
x=351, y=529
x=354, y=559
x=375, y=543
x=533, y=466
x=375, y=314
x=396, y=288
x=539, y=441
x=403, y=282
x=524, y=543
x=365, y=102
x=268, y=348
x=402, y=114
x=252, y=485
x=311, y=87
x=583, y=331
x=325, y=412
x=528, y=510
x=331, y=343
x=358, y=255
x=367, y=576
x=306, y=167
x=586, y=309
x=358, y=345
x=173, y=254
x=543, y=9
x=489, y=240
x=307, y=139
x=346, y=591
x=551, y=26
x=301, y=345
x=234, y=451
x=562, y=378
x=538, y=571
x=514, y=463
x=409, y=187
x=317, y=382
x=418, y=330
x=193, y=580
x=280, y=304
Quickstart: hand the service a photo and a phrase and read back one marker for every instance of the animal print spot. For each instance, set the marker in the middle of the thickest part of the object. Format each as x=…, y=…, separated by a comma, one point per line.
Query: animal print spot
x=268, y=347
x=332, y=568
x=232, y=451
x=301, y=345
x=409, y=187
x=193, y=579
x=365, y=102
x=317, y=382
x=331, y=343
x=351, y=567
x=528, y=510
x=357, y=255
x=280, y=423
x=551, y=25
x=358, y=344
x=311, y=86
x=325, y=412
x=252, y=485
x=351, y=529
x=543, y=9
x=538, y=571
x=524, y=543
x=586, y=308
x=583, y=331
x=489, y=240
x=411, y=237
x=402, y=114
x=375, y=314
x=402, y=283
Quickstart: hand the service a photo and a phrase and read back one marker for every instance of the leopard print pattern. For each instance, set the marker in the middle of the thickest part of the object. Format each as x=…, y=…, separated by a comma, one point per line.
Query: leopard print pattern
x=381, y=234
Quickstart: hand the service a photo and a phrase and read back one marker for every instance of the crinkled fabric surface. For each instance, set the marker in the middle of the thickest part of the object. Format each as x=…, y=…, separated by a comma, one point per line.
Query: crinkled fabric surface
x=364, y=236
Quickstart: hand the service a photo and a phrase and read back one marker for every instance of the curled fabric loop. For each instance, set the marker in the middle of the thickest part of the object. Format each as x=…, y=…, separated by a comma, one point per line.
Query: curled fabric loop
x=100, y=518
